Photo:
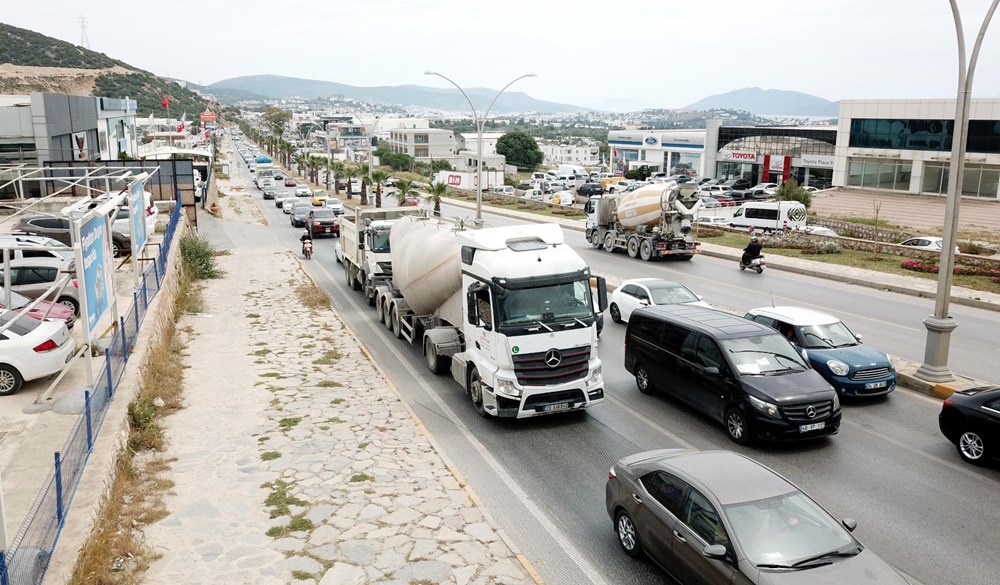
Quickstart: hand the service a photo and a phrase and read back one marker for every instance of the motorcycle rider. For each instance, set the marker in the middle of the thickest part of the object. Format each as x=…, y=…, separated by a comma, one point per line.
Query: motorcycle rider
x=752, y=250
x=305, y=238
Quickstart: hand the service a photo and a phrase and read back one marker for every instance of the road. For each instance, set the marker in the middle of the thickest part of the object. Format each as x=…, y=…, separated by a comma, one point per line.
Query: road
x=918, y=505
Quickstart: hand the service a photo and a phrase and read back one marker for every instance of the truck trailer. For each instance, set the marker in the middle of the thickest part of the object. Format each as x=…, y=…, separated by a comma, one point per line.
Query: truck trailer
x=508, y=311
x=364, y=243
x=650, y=222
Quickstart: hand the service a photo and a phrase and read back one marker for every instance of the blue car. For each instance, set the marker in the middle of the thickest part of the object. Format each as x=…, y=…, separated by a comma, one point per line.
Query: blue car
x=833, y=350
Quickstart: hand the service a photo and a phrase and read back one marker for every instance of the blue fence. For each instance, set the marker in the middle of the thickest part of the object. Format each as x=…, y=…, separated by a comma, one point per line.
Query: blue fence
x=27, y=557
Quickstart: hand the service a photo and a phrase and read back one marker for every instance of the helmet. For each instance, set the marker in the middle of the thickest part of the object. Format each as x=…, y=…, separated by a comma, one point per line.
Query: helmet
x=753, y=238
x=305, y=232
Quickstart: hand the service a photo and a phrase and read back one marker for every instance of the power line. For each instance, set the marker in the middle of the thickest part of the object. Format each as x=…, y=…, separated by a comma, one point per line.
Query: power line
x=84, y=40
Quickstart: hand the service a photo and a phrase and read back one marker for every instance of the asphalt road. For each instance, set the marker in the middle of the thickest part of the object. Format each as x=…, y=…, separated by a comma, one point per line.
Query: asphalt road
x=918, y=505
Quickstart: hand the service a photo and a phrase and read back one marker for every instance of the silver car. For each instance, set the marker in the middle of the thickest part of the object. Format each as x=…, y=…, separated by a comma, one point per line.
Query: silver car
x=32, y=277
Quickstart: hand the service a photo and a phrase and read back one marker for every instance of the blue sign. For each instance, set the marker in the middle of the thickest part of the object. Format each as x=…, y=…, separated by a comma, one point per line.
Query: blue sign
x=97, y=269
x=650, y=140
x=137, y=217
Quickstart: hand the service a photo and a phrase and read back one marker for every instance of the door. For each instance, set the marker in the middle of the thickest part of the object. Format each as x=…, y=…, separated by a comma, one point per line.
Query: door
x=699, y=527
x=628, y=301
x=33, y=281
x=656, y=519
x=484, y=335
x=711, y=389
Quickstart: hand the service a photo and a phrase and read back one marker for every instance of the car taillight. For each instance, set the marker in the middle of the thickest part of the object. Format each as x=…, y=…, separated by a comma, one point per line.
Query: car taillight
x=611, y=473
x=149, y=210
x=47, y=346
x=948, y=403
x=76, y=284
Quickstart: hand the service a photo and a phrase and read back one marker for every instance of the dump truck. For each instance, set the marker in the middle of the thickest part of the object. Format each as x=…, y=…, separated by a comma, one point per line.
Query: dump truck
x=508, y=311
x=364, y=243
x=650, y=222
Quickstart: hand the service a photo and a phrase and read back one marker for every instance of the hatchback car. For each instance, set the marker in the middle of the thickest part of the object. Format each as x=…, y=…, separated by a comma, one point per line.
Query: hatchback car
x=43, y=247
x=270, y=193
x=31, y=349
x=970, y=419
x=712, y=517
x=644, y=292
x=300, y=212
x=319, y=197
x=335, y=204
x=50, y=225
x=33, y=278
x=42, y=311
x=929, y=243
x=852, y=368
x=289, y=202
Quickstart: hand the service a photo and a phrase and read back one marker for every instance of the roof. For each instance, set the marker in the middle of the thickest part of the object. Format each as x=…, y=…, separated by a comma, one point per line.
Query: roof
x=731, y=477
x=652, y=282
x=710, y=321
x=797, y=316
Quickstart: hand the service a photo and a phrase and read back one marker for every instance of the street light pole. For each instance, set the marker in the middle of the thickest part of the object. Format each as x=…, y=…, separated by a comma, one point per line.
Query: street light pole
x=480, y=121
x=939, y=326
x=371, y=138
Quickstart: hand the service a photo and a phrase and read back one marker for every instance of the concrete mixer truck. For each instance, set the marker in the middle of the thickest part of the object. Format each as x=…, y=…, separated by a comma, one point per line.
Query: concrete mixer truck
x=364, y=243
x=650, y=222
x=507, y=311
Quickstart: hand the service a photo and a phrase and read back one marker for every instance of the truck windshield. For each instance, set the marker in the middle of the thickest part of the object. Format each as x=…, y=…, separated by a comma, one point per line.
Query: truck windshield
x=380, y=240
x=558, y=302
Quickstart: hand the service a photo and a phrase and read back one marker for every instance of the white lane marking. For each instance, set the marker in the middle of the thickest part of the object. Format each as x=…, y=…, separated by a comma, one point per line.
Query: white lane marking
x=585, y=566
x=656, y=426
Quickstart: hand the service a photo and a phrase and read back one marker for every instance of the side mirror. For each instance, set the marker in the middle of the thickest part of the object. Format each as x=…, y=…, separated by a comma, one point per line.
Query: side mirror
x=644, y=302
x=716, y=551
x=711, y=371
x=361, y=245
x=471, y=309
x=850, y=524
x=602, y=293
x=859, y=338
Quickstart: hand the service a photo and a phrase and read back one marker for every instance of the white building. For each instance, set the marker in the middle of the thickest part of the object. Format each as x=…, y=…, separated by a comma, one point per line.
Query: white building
x=470, y=141
x=423, y=144
x=660, y=150
x=588, y=155
x=905, y=146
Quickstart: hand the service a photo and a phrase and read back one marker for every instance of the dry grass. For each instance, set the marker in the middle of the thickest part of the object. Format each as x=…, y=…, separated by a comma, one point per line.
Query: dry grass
x=312, y=296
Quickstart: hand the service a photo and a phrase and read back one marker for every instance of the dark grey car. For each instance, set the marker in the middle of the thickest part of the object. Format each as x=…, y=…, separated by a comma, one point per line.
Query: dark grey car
x=714, y=517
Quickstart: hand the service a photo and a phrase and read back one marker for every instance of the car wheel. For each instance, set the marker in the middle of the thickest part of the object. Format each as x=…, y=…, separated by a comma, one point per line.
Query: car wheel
x=10, y=380
x=476, y=392
x=972, y=447
x=71, y=303
x=642, y=380
x=628, y=536
x=737, y=426
x=117, y=247
x=616, y=314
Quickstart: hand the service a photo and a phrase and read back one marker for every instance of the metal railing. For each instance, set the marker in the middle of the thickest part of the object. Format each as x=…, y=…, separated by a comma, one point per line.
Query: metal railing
x=27, y=557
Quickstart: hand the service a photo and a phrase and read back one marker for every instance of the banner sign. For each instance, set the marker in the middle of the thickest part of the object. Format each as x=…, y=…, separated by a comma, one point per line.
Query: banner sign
x=137, y=217
x=98, y=283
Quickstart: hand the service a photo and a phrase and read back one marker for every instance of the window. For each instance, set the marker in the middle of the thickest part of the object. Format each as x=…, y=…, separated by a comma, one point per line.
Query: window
x=882, y=174
x=759, y=213
x=703, y=520
x=709, y=354
x=484, y=308
x=34, y=275
x=665, y=489
x=672, y=337
x=630, y=290
x=993, y=404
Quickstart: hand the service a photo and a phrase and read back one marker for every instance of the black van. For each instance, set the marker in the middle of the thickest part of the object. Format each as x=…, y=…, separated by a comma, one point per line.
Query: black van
x=741, y=373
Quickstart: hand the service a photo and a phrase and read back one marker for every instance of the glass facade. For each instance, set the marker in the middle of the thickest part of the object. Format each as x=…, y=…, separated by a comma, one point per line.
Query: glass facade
x=924, y=135
x=978, y=181
x=873, y=173
x=778, y=140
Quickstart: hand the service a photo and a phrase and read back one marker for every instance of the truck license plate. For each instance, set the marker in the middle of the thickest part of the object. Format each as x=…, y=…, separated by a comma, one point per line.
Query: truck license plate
x=874, y=385
x=555, y=407
x=812, y=427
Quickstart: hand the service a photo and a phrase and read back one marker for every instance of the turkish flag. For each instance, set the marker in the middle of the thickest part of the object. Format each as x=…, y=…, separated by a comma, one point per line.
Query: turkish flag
x=207, y=133
x=166, y=102
x=614, y=152
x=180, y=127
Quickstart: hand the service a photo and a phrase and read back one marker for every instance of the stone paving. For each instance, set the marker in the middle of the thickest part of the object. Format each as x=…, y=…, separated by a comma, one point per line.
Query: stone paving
x=296, y=462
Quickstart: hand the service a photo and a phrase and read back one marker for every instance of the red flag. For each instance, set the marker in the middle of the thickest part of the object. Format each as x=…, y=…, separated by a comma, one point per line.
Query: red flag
x=614, y=151
x=166, y=102
x=207, y=133
x=180, y=127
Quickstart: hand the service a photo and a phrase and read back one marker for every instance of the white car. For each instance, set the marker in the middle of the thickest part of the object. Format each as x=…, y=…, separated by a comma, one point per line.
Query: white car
x=713, y=220
x=818, y=230
x=303, y=191
x=335, y=204
x=930, y=243
x=338, y=253
x=289, y=202
x=31, y=349
x=644, y=292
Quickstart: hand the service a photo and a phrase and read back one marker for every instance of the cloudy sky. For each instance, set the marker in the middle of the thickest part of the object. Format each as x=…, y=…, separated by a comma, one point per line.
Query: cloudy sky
x=644, y=52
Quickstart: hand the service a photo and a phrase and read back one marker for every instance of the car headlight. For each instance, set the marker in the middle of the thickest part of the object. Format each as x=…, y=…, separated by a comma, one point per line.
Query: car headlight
x=836, y=401
x=765, y=407
x=596, y=378
x=507, y=387
x=838, y=367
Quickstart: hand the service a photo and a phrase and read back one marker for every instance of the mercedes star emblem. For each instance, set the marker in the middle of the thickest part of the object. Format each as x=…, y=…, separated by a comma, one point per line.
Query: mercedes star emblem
x=553, y=358
x=811, y=412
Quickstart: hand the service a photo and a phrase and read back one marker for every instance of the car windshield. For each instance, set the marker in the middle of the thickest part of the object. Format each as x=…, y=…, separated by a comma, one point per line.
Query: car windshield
x=763, y=355
x=547, y=304
x=671, y=295
x=380, y=240
x=786, y=529
x=323, y=214
x=826, y=336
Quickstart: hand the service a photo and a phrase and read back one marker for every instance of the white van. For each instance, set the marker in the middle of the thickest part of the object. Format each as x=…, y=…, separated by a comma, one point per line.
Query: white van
x=505, y=190
x=769, y=215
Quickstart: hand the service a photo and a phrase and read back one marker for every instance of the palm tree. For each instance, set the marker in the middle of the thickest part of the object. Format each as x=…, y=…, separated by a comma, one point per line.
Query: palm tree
x=350, y=173
x=329, y=166
x=301, y=161
x=365, y=183
x=404, y=189
x=315, y=162
x=286, y=150
x=379, y=177
x=338, y=172
x=435, y=193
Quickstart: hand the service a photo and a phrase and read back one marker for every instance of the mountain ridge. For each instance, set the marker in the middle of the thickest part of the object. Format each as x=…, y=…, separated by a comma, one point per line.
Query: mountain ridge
x=769, y=102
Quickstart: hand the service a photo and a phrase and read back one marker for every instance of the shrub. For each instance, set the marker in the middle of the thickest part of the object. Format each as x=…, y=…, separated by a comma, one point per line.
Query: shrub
x=199, y=258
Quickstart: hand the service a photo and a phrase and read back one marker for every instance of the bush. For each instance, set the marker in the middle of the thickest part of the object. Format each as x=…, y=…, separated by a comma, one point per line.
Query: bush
x=791, y=191
x=821, y=248
x=199, y=258
x=971, y=247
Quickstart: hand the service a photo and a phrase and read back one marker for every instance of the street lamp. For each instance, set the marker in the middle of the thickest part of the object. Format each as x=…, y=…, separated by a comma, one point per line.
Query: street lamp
x=371, y=137
x=479, y=145
x=939, y=326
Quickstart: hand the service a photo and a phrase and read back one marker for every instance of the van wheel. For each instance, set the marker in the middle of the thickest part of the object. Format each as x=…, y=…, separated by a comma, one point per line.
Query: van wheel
x=616, y=314
x=10, y=380
x=476, y=392
x=643, y=381
x=633, y=247
x=646, y=251
x=737, y=426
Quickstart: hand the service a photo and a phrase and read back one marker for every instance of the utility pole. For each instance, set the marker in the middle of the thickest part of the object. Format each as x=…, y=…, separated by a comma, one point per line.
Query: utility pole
x=84, y=40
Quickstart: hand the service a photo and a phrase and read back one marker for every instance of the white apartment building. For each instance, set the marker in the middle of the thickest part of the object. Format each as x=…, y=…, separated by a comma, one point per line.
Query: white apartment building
x=588, y=155
x=423, y=144
x=470, y=140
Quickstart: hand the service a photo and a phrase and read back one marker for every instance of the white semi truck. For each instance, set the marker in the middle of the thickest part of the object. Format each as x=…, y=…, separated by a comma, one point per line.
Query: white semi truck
x=364, y=243
x=650, y=222
x=507, y=310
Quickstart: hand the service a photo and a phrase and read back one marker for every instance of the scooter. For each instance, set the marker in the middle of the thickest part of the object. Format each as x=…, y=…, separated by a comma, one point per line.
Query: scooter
x=757, y=264
x=307, y=249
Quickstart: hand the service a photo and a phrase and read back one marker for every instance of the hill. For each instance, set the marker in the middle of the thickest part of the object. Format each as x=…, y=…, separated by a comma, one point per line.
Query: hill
x=41, y=63
x=277, y=86
x=769, y=102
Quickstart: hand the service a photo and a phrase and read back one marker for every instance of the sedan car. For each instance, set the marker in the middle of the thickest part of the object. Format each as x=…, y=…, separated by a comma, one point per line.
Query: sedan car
x=289, y=182
x=929, y=243
x=710, y=202
x=42, y=311
x=33, y=278
x=289, y=202
x=319, y=197
x=709, y=517
x=970, y=419
x=644, y=292
x=818, y=230
x=31, y=349
x=270, y=192
x=300, y=212
x=852, y=368
x=322, y=222
x=713, y=220
x=303, y=191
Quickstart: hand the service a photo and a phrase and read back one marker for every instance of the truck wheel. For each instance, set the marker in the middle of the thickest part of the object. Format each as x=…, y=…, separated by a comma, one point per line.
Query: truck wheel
x=387, y=317
x=476, y=392
x=633, y=247
x=609, y=243
x=595, y=239
x=379, y=311
x=435, y=363
x=355, y=283
x=646, y=251
x=397, y=326
x=347, y=273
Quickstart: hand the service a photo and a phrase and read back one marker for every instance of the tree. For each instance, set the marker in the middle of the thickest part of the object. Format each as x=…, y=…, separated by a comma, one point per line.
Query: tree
x=365, y=182
x=350, y=173
x=437, y=190
x=379, y=177
x=520, y=149
x=315, y=162
x=301, y=161
x=404, y=189
x=338, y=172
x=330, y=166
x=440, y=165
x=791, y=191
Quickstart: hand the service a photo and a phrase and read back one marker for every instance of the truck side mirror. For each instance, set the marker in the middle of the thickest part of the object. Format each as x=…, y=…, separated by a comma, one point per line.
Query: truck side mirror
x=472, y=308
x=602, y=293
x=361, y=245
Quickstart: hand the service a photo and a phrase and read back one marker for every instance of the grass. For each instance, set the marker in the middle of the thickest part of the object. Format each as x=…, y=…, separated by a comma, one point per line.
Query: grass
x=269, y=455
x=279, y=499
x=331, y=384
x=359, y=477
x=312, y=296
x=329, y=357
x=882, y=224
x=298, y=524
x=199, y=258
x=301, y=575
x=287, y=423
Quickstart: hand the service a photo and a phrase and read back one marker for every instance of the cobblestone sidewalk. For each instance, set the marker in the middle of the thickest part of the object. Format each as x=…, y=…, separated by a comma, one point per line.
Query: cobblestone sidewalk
x=295, y=462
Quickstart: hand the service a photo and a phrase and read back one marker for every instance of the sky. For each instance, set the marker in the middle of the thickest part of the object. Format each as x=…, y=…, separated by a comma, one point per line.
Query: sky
x=650, y=53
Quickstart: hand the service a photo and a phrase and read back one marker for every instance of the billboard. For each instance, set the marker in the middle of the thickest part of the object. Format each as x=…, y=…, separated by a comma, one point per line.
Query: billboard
x=98, y=269
x=137, y=217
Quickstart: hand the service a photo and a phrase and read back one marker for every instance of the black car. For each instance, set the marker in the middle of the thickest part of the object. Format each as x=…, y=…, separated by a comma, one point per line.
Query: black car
x=970, y=419
x=270, y=192
x=590, y=189
x=738, y=184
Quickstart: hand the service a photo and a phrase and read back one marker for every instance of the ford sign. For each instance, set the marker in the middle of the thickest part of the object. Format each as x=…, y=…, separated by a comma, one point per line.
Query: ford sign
x=650, y=140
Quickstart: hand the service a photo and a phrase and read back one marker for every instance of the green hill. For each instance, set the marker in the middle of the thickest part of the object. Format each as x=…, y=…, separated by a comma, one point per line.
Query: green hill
x=27, y=48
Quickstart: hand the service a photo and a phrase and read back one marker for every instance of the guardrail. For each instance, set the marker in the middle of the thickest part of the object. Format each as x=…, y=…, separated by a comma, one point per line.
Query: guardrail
x=27, y=557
